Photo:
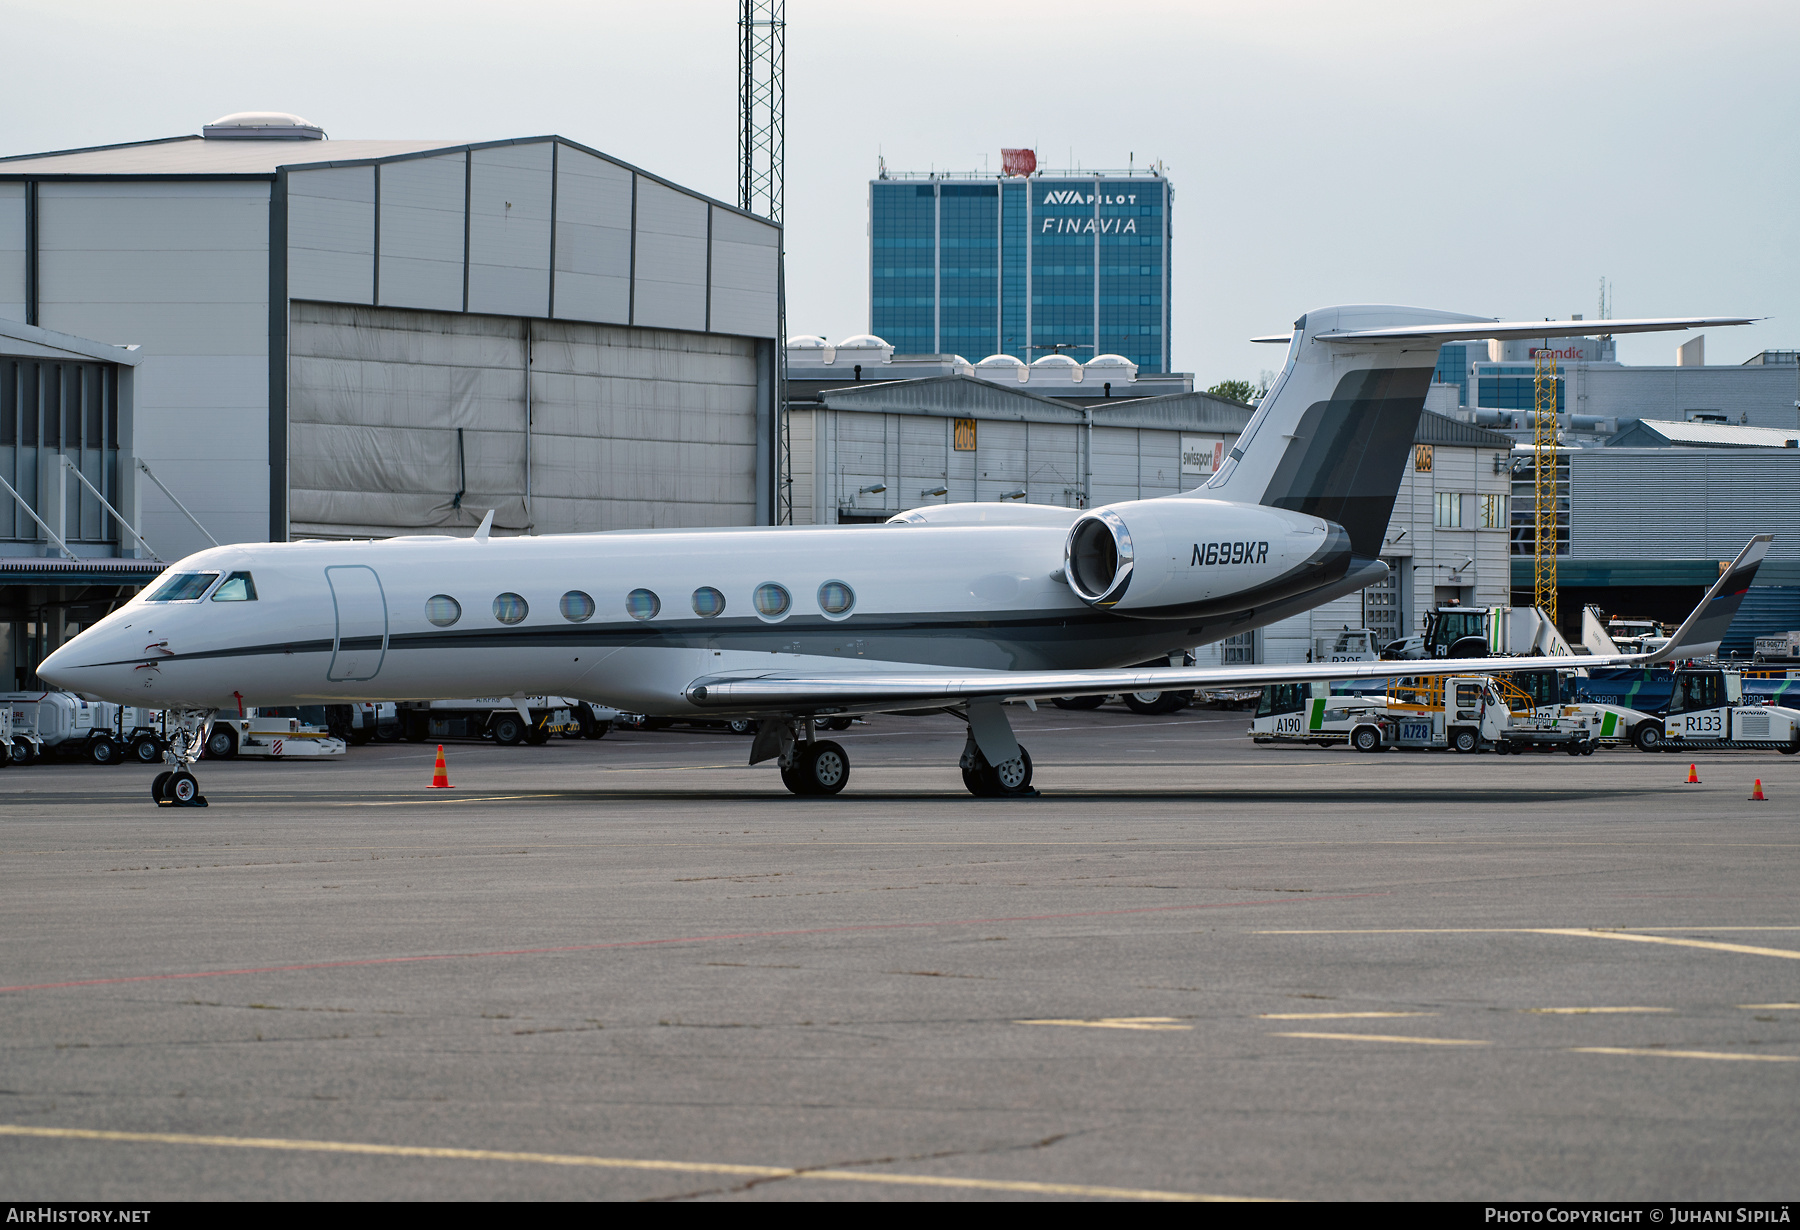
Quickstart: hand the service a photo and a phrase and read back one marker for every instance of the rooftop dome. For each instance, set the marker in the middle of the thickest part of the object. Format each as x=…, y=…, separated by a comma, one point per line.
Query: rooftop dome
x=262, y=126
x=1001, y=360
x=863, y=341
x=1111, y=360
x=1056, y=360
x=807, y=341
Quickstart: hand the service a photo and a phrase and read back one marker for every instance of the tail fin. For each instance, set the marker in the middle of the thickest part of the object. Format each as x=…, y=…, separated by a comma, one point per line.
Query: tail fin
x=1332, y=436
x=1701, y=632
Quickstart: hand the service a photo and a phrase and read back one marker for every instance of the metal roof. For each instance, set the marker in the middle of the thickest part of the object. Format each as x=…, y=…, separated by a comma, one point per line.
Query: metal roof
x=195, y=155
x=973, y=397
x=1438, y=429
x=1649, y=432
x=21, y=341
x=41, y=570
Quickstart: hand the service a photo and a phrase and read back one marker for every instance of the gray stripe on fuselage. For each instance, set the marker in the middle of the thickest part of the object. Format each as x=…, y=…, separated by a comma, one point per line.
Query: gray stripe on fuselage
x=1007, y=640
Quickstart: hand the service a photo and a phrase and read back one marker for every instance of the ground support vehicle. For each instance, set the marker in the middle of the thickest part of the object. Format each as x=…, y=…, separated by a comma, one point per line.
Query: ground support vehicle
x=1547, y=731
x=1309, y=713
x=1460, y=712
x=1782, y=647
x=1350, y=645
x=1558, y=700
x=271, y=738
x=505, y=719
x=64, y=725
x=1707, y=709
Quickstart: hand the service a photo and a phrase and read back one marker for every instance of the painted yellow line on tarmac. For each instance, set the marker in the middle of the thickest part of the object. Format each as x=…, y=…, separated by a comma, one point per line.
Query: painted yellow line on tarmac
x=1712, y=945
x=1388, y=1038
x=1705, y=928
x=611, y=1163
x=1653, y=1050
x=1114, y=1022
x=1578, y=932
x=1332, y=1016
x=1586, y=1011
x=1770, y=1007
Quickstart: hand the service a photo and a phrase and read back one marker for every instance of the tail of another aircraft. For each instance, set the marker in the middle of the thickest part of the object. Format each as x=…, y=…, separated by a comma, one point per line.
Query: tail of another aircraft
x=1332, y=435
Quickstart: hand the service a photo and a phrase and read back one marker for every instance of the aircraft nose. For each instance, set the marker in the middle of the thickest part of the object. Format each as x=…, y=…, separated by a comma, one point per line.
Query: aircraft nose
x=62, y=669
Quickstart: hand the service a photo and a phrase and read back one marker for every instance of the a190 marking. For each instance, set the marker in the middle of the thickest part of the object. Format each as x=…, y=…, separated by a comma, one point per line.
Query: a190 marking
x=1206, y=553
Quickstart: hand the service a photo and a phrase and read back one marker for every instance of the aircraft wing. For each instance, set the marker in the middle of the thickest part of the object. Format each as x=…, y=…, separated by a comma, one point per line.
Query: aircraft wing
x=1698, y=636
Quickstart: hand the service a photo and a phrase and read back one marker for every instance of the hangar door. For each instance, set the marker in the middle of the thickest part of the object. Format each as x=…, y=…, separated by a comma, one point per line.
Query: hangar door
x=406, y=422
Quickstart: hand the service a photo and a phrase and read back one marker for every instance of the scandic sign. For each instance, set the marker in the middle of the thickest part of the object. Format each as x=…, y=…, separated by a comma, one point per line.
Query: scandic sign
x=1573, y=352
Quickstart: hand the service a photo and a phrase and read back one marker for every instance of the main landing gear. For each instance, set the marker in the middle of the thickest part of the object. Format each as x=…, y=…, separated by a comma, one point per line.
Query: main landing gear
x=178, y=787
x=993, y=764
x=1009, y=779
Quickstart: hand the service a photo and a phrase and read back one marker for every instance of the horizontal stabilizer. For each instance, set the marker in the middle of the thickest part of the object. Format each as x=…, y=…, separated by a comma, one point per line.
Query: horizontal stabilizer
x=1525, y=330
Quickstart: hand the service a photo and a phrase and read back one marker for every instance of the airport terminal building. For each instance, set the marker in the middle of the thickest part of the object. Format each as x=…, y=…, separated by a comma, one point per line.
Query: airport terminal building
x=1022, y=265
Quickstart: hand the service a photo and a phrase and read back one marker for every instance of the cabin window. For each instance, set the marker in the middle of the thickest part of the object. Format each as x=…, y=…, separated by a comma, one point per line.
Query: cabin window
x=576, y=607
x=443, y=610
x=238, y=587
x=708, y=602
x=836, y=598
x=772, y=601
x=642, y=604
x=510, y=608
x=183, y=587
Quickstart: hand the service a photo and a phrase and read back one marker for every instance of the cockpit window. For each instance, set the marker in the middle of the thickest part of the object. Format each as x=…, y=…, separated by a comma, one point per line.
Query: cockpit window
x=183, y=587
x=238, y=587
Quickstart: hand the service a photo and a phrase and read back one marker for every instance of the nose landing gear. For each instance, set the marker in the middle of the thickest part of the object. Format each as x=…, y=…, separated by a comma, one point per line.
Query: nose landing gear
x=178, y=787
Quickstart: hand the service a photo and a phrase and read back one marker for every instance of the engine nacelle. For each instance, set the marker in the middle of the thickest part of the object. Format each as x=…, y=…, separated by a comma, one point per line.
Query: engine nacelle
x=1169, y=558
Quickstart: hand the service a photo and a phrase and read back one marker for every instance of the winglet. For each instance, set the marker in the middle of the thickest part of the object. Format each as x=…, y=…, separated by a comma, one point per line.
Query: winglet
x=487, y=524
x=1701, y=632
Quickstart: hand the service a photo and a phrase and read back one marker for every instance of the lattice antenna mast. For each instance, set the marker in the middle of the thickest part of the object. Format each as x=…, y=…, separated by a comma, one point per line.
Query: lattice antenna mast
x=1543, y=463
x=762, y=109
x=762, y=124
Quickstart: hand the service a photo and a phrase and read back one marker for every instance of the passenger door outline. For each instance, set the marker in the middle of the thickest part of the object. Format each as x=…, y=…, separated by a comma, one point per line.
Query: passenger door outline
x=354, y=601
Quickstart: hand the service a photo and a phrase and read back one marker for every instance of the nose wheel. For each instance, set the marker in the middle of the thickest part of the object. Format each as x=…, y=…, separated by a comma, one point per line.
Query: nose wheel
x=178, y=787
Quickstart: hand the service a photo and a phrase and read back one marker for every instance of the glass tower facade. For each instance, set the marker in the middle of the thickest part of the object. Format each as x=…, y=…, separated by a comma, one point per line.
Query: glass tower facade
x=1076, y=264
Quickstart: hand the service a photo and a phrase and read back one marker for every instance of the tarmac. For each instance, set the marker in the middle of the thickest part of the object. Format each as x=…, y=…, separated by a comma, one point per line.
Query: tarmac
x=637, y=969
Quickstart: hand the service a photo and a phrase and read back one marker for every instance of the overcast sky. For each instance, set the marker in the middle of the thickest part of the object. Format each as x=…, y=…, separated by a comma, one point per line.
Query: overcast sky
x=1493, y=158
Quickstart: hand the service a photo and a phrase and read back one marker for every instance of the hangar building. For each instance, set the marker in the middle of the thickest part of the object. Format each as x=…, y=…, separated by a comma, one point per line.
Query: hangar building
x=357, y=338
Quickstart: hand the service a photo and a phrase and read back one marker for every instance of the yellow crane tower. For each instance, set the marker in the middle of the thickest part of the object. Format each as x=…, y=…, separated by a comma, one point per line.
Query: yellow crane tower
x=1543, y=464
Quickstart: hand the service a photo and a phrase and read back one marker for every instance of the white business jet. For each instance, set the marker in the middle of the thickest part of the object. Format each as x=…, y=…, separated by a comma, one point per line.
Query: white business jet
x=949, y=608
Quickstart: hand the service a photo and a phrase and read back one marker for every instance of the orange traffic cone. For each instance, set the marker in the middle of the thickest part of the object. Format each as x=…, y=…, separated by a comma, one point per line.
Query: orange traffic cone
x=440, y=778
x=1693, y=773
x=1756, y=796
